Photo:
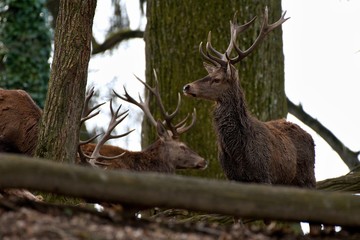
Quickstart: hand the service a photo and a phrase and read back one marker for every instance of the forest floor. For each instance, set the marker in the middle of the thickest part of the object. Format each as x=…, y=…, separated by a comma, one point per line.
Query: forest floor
x=25, y=219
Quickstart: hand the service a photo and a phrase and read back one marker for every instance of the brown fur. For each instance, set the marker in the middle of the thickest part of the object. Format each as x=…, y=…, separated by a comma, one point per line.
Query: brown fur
x=274, y=152
x=161, y=156
x=19, y=117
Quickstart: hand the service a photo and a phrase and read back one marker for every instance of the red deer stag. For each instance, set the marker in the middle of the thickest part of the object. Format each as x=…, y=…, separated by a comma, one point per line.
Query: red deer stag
x=165, y=155
x=274, y=152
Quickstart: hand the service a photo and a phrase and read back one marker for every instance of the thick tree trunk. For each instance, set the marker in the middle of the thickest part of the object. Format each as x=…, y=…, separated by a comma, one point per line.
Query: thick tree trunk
x=59, y=128
x=154, y=189
x=174, y=31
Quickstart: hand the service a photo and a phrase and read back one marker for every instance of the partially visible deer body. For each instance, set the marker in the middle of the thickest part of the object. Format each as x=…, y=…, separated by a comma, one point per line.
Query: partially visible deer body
x=274, y=152
x=166, y=154
x=19, y=116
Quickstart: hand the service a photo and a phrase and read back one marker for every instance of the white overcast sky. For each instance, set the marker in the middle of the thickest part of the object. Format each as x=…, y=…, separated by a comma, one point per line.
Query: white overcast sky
x=322, y=70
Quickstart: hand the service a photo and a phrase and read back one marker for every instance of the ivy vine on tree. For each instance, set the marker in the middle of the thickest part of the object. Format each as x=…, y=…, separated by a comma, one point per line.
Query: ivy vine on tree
x=25, y=47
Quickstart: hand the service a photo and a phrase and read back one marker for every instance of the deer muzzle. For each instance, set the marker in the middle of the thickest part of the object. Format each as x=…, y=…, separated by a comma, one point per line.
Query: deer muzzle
x=187, y=90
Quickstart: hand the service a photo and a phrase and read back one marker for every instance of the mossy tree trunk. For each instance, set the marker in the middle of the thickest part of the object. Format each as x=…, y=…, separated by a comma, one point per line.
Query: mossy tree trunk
x=174, y=31
x=59, y=128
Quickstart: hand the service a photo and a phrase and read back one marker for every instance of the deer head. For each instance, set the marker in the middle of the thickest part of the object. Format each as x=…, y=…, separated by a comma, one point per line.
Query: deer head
x=222, y=74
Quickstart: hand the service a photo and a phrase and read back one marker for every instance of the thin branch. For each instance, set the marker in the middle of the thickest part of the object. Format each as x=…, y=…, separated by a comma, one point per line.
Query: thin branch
x=114, y=39
x=349, y=157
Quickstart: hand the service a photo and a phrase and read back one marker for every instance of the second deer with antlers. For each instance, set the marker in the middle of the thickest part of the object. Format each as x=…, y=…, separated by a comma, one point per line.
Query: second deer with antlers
x=164, y=155
x=274, y=152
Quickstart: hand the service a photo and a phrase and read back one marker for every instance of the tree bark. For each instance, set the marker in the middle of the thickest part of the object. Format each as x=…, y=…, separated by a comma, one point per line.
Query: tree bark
x=173, y=33
x=347, y=183
x=169, y=191
x=59, y=128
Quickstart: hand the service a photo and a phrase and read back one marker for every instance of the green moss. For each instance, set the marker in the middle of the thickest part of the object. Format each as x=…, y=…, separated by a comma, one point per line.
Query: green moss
x=174, y=31
x=25, y=46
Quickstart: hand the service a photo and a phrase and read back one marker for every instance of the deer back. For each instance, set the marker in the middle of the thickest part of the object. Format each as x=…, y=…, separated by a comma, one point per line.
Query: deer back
x=19, y=116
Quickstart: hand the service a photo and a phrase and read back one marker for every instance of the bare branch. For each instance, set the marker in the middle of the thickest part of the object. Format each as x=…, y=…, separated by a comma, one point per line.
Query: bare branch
x=114, y=39
x=349, y=157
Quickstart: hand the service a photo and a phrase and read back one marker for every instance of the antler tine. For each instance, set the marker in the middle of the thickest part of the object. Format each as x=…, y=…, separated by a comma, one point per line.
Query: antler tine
x=156, y=92
x=85, y=115
x=169, y=117
x=209, y=46
x=206, y=56
x=82, y=155
x=265, y=29
x=236, y=29
x=86, y=112
x=144, y=106
x=181, y=127
x=88, y=96
x=116, y=118
x=218, y=59
x=223, y=58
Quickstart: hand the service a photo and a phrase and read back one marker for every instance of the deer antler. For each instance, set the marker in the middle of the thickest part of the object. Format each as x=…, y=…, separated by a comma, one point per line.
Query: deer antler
x=116, y=118
x=222, y=59
x=87, y=114
x=176, y=129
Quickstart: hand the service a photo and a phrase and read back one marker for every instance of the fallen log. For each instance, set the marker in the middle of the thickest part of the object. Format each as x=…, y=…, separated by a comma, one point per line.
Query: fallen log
x=169, y=191
x=347, y=183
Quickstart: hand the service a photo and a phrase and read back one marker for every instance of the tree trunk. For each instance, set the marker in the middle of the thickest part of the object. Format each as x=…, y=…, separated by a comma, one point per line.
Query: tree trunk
x=347, y=183
x=173, y=33
x=59, y=128
x=169, y=191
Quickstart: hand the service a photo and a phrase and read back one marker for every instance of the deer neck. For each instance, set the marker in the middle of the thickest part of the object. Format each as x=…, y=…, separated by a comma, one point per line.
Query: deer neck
x=158, y=157
x=231, y=114
x=233, y=125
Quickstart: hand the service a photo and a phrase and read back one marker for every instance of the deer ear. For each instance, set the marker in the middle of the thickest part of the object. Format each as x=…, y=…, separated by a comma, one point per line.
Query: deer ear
x=161, y=131
x=210, y=68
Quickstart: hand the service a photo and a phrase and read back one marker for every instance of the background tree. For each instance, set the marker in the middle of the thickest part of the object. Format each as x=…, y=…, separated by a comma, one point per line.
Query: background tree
x=25, y=46
x=59, y=128
x=173, y=33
